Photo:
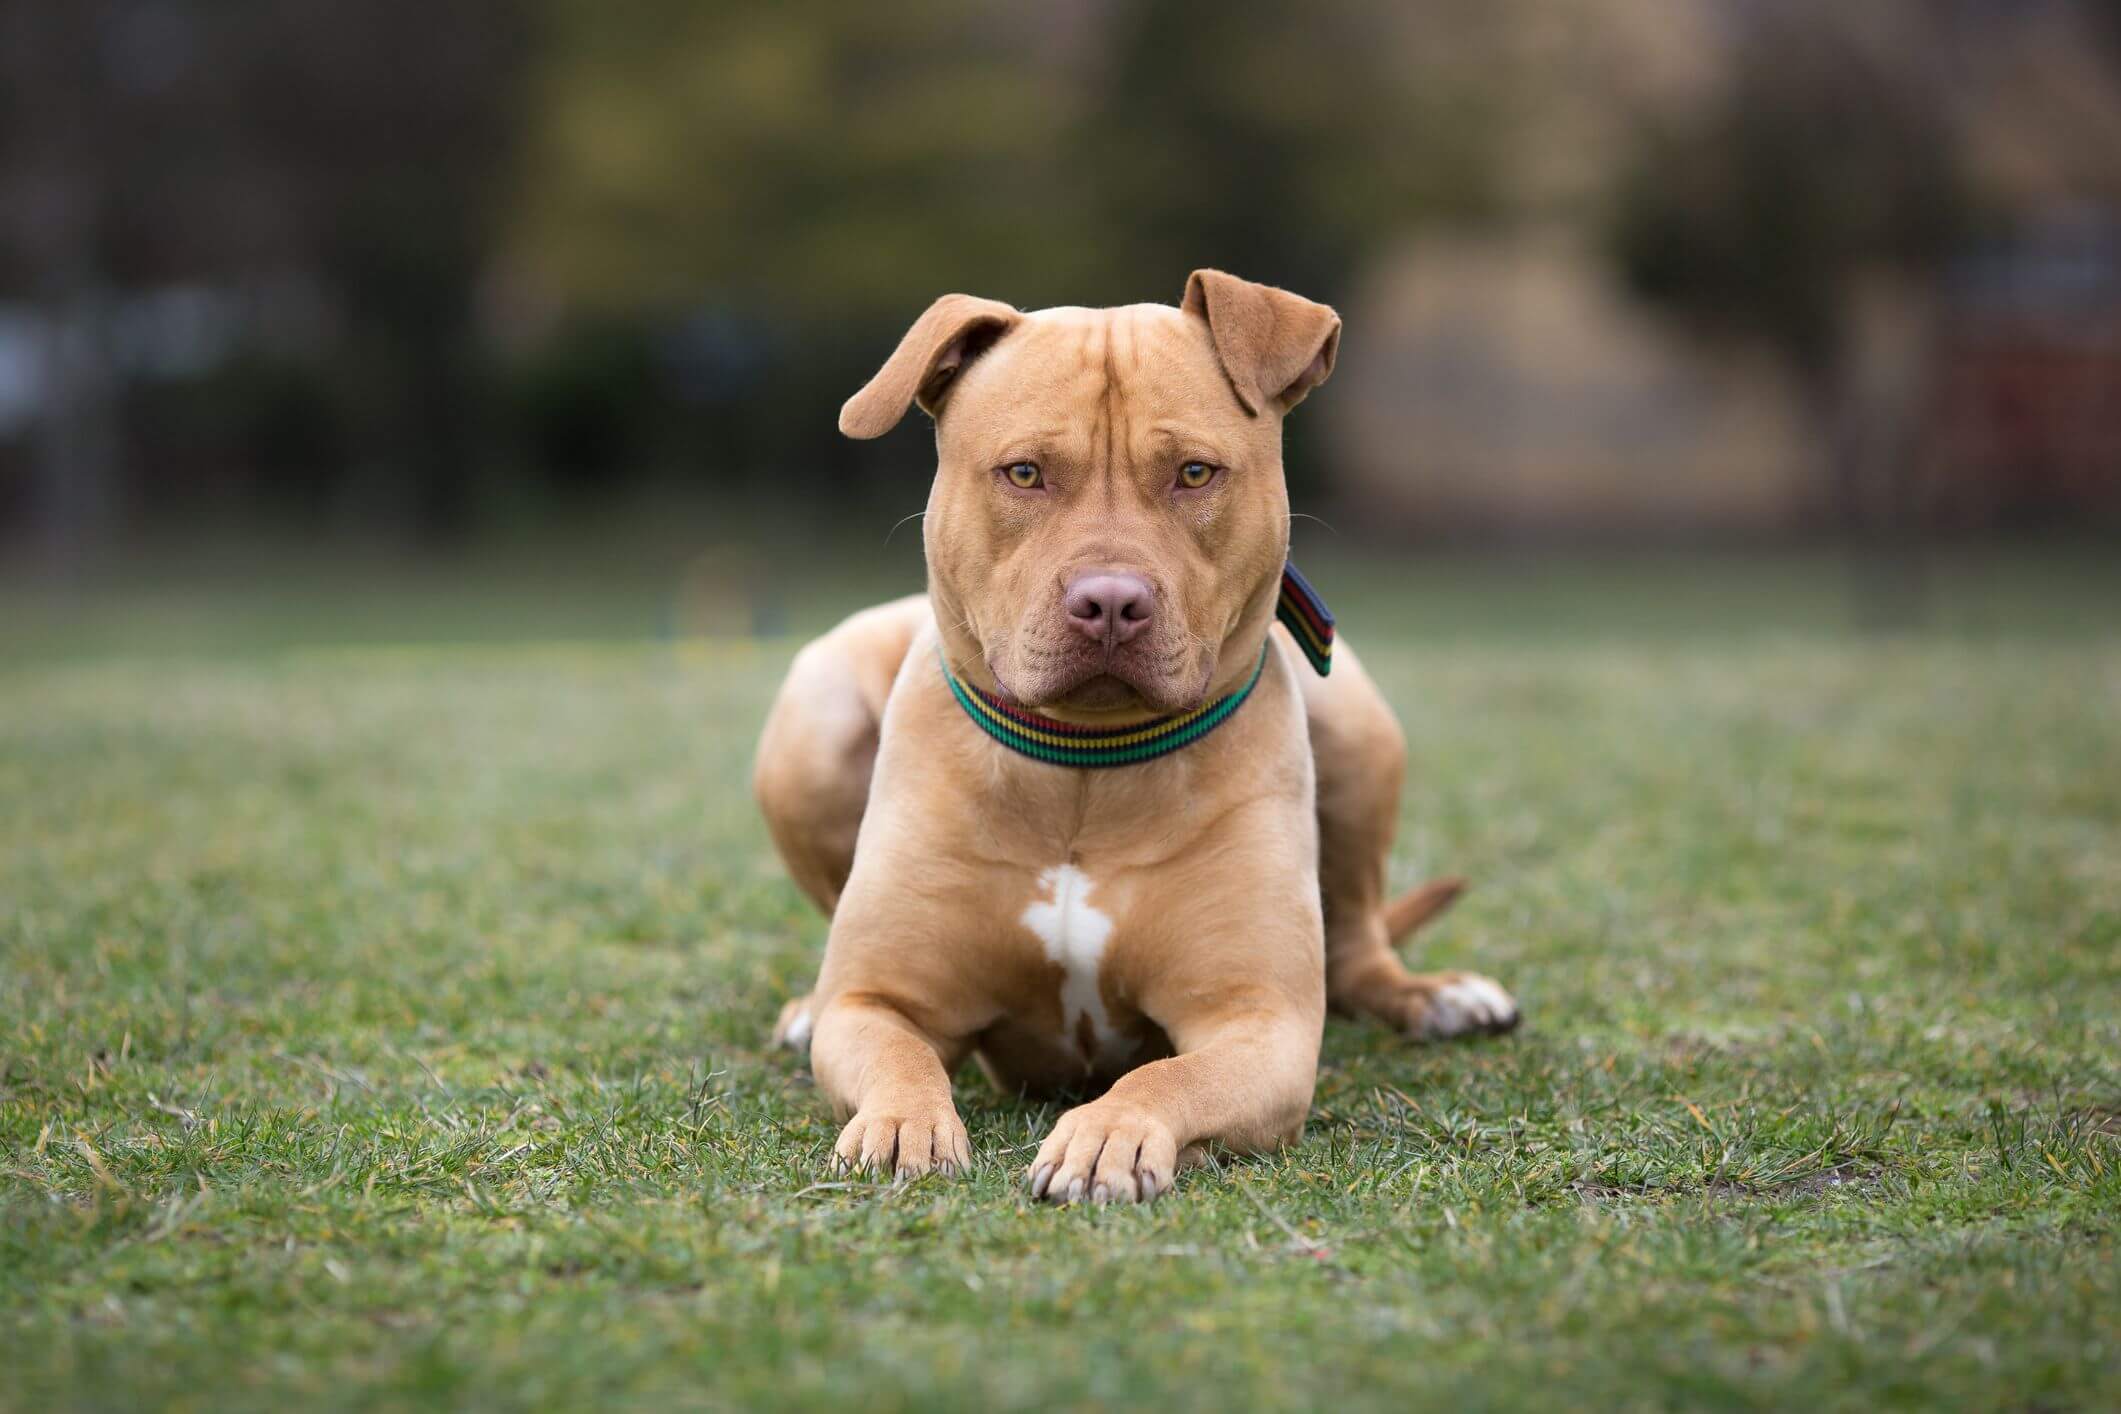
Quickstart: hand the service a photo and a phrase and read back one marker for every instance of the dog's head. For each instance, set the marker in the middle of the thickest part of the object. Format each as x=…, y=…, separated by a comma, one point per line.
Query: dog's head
x=1109, y=519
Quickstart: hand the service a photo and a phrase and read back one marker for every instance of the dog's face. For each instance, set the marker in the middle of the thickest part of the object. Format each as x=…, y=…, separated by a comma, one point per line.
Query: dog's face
x=1104, y=509
x=1109, y=514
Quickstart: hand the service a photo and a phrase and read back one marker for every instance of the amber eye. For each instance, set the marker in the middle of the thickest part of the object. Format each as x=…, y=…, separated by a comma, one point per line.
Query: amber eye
x=1024, y=476
x=1194, y=475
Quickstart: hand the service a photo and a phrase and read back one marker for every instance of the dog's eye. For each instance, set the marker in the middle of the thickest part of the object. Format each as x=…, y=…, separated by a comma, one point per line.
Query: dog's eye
x=1025, y=476
x=1194, y=475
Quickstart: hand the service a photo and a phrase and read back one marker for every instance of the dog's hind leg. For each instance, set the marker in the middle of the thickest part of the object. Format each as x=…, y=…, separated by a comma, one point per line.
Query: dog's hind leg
x=1361, y=758
x=816, y=753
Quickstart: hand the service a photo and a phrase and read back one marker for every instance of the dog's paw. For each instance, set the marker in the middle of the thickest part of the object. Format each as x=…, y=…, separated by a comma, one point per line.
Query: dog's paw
x=1442, y=1005
x=905, y=1143
x=1104, y=1153
x=792, y=1031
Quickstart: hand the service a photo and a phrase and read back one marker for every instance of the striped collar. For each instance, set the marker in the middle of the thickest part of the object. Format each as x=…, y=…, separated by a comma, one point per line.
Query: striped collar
x=1067, y=744
x=1070, y=744
x=1307, y=618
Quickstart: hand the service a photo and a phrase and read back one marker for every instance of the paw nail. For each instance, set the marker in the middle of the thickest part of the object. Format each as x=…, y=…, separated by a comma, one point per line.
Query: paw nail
x=1100, y=1194
x=1075, y=1191
x=1040, y=1177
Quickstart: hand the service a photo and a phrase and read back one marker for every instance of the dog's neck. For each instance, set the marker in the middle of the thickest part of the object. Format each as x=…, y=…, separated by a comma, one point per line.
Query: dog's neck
x=1068, y=744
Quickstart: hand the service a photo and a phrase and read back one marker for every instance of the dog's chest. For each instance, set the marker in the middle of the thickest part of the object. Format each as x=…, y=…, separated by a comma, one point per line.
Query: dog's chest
x=1072, y=919
x=1075, y=932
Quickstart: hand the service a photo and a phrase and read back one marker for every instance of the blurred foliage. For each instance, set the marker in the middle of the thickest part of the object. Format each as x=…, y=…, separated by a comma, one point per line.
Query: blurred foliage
x=833, y=163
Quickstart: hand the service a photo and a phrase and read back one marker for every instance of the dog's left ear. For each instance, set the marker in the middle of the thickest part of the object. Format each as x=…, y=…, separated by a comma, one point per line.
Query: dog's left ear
x=955, y=330
x=1275, y=346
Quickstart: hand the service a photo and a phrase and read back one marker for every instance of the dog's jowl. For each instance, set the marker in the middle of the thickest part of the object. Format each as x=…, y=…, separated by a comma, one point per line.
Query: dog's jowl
x=1108, y=808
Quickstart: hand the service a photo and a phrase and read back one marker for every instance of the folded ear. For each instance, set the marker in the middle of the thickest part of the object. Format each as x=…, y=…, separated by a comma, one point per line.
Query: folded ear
x=1274, y=346
x=955, y=330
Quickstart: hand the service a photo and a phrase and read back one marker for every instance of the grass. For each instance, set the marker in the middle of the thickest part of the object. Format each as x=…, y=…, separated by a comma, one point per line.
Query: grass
x=382, y=1027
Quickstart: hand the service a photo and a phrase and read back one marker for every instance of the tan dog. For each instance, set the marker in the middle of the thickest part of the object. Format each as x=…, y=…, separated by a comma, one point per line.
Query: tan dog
x=1105, y=543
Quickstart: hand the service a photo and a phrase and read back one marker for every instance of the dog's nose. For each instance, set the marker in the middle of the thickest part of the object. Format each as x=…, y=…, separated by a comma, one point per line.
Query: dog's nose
x=1110, y=608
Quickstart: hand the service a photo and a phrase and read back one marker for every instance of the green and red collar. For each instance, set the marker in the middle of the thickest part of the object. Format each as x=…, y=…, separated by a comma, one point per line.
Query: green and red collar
x=1300, y=609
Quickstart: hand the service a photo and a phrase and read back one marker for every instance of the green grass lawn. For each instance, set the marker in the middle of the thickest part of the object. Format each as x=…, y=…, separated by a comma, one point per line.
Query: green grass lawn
x=383, y=1026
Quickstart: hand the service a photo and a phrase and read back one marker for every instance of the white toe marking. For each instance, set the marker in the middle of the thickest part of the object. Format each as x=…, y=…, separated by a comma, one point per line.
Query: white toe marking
x=1467, y=1003
x=1075, y=935
x=797, y=1035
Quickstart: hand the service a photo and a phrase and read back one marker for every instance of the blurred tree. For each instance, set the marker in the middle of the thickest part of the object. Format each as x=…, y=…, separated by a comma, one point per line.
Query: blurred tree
x=1284, y=143
x=385, y=129
x=817, y=163
x=335, y=158
x=1830, y=156
x=57, y=187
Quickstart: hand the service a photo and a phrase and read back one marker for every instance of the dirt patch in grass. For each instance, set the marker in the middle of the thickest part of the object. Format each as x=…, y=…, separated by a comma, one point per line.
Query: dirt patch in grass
x=2102, y=1119
x=1847, y=1175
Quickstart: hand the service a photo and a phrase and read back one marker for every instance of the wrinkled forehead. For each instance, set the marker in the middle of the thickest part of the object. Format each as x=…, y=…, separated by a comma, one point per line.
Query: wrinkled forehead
x=1142, y=364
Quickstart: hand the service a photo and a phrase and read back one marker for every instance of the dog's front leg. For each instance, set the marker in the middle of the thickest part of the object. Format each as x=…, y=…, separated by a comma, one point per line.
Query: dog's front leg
x=1243, y=1077
x=890, y=1080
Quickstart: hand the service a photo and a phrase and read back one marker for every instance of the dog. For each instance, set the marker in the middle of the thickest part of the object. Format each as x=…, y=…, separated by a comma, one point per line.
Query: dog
x=1108, y=808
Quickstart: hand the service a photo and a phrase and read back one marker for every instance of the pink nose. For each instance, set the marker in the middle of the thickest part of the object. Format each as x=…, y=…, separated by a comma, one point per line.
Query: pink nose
x=1110, y=608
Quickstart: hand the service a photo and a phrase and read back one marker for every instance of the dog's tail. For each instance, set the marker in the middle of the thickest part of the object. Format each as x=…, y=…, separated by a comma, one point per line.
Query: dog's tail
x=1417, y=906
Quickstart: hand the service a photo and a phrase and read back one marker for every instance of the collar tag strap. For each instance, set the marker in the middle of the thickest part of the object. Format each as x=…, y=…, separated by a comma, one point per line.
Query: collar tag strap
x=1067, y=744
x=1307, y=618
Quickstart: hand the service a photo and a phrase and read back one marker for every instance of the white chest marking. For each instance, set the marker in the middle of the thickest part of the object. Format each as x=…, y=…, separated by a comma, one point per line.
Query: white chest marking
x=1075, y=935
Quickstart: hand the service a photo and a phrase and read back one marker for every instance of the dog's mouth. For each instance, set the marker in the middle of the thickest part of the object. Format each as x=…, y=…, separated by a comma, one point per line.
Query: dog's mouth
x=1115, y=681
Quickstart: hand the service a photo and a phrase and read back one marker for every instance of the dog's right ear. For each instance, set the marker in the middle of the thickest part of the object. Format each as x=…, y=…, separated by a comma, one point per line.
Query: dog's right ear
x=1274, y=346
x=955, y=330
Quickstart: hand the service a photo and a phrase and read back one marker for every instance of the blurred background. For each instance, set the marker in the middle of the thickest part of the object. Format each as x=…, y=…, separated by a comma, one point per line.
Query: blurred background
x=373, y=302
